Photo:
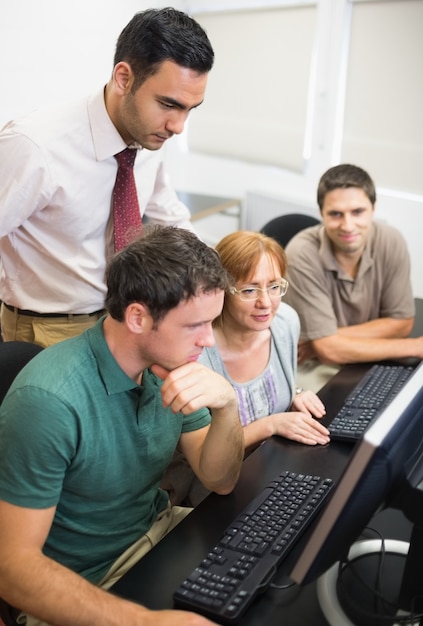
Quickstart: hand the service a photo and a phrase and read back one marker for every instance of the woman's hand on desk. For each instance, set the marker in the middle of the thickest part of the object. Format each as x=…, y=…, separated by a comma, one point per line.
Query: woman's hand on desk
x=308, y=402
x=301, y=427
x=299, y=424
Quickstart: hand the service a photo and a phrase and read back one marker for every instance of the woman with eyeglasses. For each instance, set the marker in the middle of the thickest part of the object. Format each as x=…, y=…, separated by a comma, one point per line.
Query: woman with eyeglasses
x=256, y=350
x=256, y=344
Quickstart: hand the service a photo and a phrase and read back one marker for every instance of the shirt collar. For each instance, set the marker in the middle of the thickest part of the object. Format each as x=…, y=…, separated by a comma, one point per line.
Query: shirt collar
x=106, y=138
x=114, y=378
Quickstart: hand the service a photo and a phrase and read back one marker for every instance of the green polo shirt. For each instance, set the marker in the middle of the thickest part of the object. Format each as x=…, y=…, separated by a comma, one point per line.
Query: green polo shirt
x=77, y=433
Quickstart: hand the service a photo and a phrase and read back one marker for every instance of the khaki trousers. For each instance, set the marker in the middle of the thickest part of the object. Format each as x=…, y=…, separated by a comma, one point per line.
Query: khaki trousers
x=44, y=331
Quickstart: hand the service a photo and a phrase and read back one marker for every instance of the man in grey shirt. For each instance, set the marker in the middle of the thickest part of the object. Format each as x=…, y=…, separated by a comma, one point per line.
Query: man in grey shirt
x=350, y=278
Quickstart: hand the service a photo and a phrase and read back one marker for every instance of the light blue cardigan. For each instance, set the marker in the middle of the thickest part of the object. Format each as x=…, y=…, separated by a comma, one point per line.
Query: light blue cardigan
x=285, y=330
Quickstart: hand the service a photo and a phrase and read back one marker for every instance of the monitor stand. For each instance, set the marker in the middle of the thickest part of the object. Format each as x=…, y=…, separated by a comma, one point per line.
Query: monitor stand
x=352, y=603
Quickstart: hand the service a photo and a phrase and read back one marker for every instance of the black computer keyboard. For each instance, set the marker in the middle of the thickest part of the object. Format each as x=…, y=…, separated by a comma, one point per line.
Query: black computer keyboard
x=243, y=562
x=367, y=400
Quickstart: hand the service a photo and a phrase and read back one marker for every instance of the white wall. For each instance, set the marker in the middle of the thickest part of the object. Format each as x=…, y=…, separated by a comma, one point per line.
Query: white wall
x=327, y=101
x=50, y=51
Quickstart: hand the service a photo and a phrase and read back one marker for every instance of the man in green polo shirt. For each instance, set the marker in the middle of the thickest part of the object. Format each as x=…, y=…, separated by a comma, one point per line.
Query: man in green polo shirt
x=90, y=425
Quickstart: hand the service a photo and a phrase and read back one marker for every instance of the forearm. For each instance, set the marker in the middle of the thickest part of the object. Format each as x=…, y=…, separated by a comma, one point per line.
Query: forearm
x=258, y=431
x=215, y=452
x=43, y=588
x=339, y=349
x=384, y=327
x=223, y=450
x=295, y=425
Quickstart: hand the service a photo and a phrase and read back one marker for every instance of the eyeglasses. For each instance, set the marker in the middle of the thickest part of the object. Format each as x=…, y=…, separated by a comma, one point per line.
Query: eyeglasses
x=249, y=294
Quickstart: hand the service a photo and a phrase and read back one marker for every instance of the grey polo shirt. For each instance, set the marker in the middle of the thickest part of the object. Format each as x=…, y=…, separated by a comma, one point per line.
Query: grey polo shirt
x=326, y=298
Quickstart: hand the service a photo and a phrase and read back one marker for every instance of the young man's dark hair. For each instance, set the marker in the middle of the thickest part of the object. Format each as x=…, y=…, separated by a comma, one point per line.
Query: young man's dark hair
x=160, y=269
x=342, y=177
x=158, y=35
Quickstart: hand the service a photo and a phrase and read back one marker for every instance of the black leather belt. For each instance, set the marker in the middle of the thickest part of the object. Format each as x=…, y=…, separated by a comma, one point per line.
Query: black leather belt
x=35, y=314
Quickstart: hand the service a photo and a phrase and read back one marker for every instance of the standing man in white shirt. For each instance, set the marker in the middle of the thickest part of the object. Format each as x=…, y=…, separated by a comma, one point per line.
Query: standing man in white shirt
x=59, y=170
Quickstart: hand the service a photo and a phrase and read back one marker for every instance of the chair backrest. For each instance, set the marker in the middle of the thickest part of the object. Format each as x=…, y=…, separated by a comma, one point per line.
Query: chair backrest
x=284, y=227
x=13, y=356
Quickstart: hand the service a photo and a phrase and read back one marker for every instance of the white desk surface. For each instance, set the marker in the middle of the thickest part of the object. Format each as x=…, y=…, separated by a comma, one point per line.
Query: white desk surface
x=201, y=205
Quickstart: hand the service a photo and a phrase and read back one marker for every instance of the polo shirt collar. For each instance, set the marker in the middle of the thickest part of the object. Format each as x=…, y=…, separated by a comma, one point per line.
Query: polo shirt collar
x=325, y=252
x=114, y=378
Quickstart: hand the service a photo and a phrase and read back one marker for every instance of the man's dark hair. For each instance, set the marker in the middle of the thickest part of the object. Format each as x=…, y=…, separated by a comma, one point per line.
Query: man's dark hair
x=159, y=35
x=160, y=269
x=344, y=176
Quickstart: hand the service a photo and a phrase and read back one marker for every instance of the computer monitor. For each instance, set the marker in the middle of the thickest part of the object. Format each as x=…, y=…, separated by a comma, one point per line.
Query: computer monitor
x=385, y=470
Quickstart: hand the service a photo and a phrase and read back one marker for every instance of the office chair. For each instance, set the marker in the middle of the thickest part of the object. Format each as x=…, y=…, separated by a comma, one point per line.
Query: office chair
x=284, y=227
x=13, y=356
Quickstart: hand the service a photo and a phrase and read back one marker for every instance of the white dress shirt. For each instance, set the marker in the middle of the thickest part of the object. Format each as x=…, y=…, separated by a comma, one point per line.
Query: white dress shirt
x=57, y=175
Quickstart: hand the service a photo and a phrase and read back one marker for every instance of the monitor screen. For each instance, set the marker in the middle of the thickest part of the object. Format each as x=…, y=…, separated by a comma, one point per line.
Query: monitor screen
x=384, y=467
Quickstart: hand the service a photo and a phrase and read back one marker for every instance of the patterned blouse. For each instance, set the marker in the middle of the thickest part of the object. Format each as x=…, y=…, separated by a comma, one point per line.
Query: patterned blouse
x=273, y=390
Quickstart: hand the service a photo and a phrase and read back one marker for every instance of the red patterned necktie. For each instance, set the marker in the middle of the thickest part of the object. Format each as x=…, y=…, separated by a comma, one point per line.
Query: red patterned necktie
x=126, y=210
